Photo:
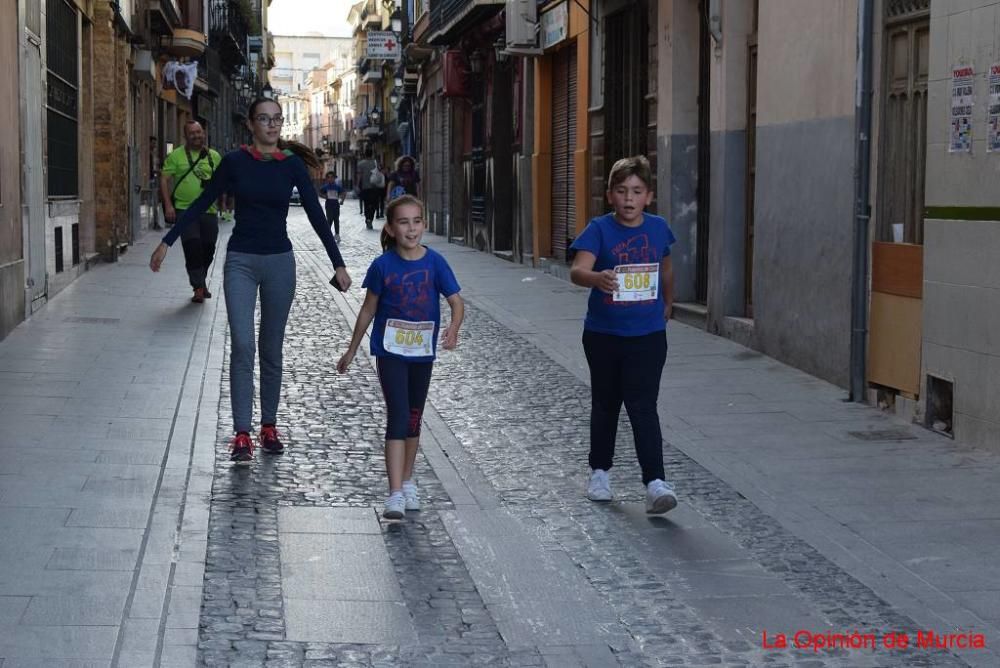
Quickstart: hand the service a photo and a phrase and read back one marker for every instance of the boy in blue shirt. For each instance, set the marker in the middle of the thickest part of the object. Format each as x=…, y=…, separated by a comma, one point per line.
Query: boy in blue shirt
x=333, y=192
x=624, y=257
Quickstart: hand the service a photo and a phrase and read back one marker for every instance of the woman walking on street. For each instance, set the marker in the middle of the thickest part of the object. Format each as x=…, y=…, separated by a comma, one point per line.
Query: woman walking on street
x=259, y=258
x=404, y=179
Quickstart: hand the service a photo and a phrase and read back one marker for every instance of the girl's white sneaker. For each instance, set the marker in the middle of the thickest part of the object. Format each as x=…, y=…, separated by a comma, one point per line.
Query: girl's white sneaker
x=411, y=496
x=394, y=506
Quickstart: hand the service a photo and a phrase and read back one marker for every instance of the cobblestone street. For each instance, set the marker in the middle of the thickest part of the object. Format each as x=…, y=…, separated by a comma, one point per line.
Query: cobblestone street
x=614, y=587
x=130, y=539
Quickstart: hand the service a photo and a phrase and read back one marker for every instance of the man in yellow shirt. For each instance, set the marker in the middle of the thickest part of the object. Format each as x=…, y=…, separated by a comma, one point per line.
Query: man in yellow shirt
x=185, y=173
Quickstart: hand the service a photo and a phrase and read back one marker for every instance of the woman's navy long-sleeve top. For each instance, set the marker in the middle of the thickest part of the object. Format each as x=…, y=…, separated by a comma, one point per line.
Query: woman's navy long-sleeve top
x=262, y=189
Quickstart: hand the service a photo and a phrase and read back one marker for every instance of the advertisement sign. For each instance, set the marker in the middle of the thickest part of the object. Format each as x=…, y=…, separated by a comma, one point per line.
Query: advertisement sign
x=383, y=44
x=555, y=25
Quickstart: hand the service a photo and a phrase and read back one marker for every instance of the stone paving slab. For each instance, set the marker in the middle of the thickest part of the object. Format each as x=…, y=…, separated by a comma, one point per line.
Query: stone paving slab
x=85, y=435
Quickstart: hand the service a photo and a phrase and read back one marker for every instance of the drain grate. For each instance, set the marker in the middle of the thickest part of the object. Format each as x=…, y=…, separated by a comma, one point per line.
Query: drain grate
x=93, y=321
x=882, y=435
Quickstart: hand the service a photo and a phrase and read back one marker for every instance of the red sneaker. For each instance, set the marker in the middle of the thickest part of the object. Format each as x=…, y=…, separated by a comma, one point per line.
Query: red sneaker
x=269, y=440
x=241, y=448
x=199, y=295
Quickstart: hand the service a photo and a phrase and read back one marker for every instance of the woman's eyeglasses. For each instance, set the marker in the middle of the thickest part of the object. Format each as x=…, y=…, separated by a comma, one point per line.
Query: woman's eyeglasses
x=264, y=119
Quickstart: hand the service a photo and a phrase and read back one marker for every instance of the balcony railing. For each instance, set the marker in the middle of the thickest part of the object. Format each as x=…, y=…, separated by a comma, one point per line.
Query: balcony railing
x=450, y=16
x=228, y=30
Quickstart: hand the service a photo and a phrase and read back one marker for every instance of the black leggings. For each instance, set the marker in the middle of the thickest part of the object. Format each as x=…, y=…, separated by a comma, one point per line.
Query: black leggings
x=626, y=369
x=404, y=386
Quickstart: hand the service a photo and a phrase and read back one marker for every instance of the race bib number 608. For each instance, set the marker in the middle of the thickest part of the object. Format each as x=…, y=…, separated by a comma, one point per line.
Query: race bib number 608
x=637, y=282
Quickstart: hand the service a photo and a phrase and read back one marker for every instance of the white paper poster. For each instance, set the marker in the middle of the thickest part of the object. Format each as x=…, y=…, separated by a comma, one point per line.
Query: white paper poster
x=961, y=109
x=180, y=77
x=993, y=113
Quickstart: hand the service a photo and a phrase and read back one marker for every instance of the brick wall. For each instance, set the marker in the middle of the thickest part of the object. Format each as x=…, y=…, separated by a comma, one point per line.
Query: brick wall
x=110, y=164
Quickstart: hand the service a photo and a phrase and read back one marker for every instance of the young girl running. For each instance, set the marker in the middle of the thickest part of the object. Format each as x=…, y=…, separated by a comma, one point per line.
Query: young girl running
x=624, y=257
x=404, y=285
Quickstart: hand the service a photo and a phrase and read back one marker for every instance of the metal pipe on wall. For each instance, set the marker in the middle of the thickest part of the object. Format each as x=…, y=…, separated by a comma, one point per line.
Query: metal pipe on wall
x=862, y=205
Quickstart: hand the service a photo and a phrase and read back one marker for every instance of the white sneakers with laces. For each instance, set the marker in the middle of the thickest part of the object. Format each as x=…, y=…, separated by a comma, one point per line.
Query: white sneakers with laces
x=394, y=506
x=599, y=488
x=410, y=495
x=660, y=497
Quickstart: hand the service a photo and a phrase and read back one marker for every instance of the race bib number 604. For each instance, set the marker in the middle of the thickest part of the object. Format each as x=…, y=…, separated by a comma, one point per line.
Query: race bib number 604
x=409, y=339
x=637, y=282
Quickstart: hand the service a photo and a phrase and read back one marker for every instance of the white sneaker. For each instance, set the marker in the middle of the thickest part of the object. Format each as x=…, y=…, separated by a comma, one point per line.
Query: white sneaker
x=599, y=488
x=394, y=506
x=660, y=497
x=411, y=496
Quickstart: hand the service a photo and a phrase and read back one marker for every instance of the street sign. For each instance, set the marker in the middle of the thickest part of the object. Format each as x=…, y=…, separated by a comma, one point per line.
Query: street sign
x=555, y=25
x=383, y=44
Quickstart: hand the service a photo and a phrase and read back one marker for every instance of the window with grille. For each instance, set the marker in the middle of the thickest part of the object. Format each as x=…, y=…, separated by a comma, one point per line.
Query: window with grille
x=62, y=100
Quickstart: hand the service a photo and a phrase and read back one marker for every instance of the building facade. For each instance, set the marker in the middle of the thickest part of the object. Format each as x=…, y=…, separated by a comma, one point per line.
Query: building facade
x=960, y=286
x=84, y=185
x=12, y=242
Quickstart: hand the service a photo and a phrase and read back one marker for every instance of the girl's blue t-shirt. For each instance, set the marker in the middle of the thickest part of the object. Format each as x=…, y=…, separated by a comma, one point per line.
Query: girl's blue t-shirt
x=408, y=290
x=614, y=244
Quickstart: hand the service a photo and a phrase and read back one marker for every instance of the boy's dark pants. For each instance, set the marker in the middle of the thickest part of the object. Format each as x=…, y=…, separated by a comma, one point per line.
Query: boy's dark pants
x=198, y=242
x=333, y=215
x=626, y=369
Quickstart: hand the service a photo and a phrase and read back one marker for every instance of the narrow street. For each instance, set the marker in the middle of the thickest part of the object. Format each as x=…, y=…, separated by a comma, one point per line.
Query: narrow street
x=129, y=538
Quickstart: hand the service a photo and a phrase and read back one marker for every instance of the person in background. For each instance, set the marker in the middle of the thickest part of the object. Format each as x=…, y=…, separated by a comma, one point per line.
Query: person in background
x=371, y=182
x=187, y=169
x=333, y=194
x=404, y=179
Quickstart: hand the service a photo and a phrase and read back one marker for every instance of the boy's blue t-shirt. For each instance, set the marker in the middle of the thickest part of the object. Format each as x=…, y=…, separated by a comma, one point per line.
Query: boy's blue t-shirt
x=408, y=290
x=327, y=189
x=614, y=245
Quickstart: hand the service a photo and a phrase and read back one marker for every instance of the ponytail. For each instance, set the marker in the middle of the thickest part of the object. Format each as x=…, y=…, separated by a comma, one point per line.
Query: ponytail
x=307, y=154
x=387, y=240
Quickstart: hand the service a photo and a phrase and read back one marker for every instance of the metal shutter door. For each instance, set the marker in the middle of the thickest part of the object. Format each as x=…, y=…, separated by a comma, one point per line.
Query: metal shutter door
x=563, y=145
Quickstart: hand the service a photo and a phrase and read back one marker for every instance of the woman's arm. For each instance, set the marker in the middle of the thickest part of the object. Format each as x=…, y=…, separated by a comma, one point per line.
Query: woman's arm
x=457, y=315
x=365, y=317
x=582, y=273
x=218, y=185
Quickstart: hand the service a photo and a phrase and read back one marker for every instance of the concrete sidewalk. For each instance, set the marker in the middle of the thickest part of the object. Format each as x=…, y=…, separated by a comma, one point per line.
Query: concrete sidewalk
x=911, y=514
x=109, y=399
